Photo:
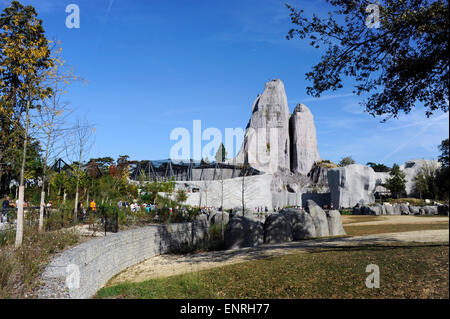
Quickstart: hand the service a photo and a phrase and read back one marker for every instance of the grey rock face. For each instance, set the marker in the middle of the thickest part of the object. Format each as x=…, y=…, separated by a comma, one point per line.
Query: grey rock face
x=411, y=168
x=335, y=223
x=404, y=209
x=414, y=210
x=304, y=151
x=318, y=175
x=431, y=210
x=266, y=145
x=243, y=232
x=277, y=229
x=302, y=223
x=352, y=184
x=389, y=209
x=320, y=219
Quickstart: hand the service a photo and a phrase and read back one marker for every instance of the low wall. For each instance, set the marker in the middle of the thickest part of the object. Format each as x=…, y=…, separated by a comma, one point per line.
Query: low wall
x=81, y=271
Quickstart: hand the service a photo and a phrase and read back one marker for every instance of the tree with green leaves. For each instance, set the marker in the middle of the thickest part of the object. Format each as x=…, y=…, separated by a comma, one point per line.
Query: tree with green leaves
x=24, y=59
x=345, y=161
x=395, y=51
x=379, y=167
x=221, y=154
x=397, y=182
x=444, y=156
x=425, y=181
x=181, y=196
x=443, y=174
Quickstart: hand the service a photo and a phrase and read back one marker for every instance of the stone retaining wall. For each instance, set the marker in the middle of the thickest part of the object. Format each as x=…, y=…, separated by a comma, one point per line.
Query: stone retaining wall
x=81, y=271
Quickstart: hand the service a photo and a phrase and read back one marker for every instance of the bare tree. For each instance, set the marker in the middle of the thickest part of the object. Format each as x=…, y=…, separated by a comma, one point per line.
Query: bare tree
x=52, y=118
x=79, y=148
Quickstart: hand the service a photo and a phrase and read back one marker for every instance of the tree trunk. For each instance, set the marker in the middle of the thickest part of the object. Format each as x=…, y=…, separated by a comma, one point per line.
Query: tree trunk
x=19, y=227
x=44, y=173
x=41, y=210
x=75, y=211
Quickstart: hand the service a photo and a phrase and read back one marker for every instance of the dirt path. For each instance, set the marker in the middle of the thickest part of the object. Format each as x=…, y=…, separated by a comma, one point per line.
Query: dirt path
x=358, y=220
x=169, y=265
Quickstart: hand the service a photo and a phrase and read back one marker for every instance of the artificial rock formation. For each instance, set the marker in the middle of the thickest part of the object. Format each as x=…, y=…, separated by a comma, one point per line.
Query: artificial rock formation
x=243, y=232
x=302, y=223
x=353, y=184
x=304, y=151
x=411, y=168
x=266, y=141
x=277, y=229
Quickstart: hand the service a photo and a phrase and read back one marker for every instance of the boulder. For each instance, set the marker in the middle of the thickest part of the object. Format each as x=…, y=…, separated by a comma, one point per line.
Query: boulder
x=302, y=223
x=366, y=210
x=376, y=210
x=357, y=210
x=397, y=210
x=243, y=232
x=335, y=227
x=388, y=208
x=404, y=209
x=414, y=210
x=277, y=229
x=304, y=151
x=431, y=210
x=443, y=209
x=319, y=218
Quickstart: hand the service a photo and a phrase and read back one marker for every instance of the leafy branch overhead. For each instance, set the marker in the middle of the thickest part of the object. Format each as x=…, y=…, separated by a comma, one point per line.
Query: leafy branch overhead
x=401, y=63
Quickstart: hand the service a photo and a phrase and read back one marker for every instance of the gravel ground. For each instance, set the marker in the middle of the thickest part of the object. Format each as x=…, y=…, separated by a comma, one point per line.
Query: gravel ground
x=391, y=220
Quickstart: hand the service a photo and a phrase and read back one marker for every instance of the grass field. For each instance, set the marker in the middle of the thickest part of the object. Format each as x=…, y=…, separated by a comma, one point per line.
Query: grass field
x=406, y=271
x=362, y=230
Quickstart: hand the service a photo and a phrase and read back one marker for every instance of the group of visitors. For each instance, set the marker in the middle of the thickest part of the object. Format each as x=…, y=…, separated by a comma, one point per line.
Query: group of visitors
x=7, y=205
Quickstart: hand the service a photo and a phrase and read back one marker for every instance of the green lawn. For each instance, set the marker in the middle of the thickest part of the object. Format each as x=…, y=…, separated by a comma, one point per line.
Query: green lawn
x=358, y=230
x=406, y=271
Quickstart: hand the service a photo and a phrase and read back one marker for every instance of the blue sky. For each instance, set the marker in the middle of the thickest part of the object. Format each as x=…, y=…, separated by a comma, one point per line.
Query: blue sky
x=153, y=66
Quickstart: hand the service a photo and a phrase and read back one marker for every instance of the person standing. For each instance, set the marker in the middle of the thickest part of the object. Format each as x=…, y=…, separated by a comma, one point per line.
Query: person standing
x=92, y=205
x=5, y=206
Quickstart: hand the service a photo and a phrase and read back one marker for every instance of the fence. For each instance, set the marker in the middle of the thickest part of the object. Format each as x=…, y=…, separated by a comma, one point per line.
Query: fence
x=102, y=219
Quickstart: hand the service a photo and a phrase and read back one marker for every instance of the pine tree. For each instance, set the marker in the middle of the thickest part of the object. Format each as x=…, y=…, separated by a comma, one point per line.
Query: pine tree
x=221, y=154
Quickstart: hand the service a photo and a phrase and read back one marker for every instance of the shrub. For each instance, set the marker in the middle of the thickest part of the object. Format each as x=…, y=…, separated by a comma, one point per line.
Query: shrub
x=19, y=269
